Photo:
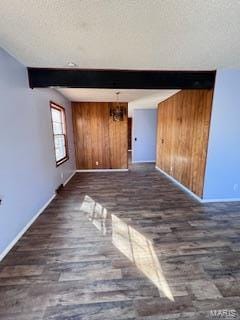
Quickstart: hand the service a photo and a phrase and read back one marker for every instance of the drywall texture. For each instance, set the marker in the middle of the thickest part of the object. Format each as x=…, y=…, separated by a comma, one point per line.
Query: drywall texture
x=182, y=138
x=222, y=180
x=145, y=131
x=112, y=34
x=28, y=173
x=100, y=142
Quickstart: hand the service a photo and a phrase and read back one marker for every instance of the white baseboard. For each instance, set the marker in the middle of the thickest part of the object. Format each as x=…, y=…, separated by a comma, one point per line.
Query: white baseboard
x=193, y=194
x=221, y=200
x=144, y=161
x=69, y=178
x=180, y=185
x=102, y=170
x=20, y=234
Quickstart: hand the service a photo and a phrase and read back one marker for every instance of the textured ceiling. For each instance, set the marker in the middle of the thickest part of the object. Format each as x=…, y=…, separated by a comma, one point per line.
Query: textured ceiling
x=106, y=95
x=136, y=34
x=136, y=98
x=150, y=101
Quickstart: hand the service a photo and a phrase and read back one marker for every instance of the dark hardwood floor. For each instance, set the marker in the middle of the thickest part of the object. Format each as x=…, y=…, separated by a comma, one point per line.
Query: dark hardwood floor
x=126, y=245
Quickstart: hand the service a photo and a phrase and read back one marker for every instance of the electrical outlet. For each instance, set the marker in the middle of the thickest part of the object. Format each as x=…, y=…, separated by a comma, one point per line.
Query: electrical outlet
x=235, y=187
x=96, y=163
x=61, y=175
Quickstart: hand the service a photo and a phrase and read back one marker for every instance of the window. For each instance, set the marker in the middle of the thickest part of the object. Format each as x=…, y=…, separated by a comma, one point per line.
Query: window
x=59, y=133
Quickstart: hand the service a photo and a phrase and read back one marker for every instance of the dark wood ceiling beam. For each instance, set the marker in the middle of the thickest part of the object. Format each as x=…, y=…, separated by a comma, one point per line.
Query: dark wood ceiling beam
x=120, y=79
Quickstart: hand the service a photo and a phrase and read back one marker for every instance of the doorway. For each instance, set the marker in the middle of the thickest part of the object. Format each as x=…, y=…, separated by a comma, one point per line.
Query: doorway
x=144, y=129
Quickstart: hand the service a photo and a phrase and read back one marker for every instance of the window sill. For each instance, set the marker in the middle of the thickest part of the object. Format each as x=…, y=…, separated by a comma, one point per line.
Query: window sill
x=62, y=161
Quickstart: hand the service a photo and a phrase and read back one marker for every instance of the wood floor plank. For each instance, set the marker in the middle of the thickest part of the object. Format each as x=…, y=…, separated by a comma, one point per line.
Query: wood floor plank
x=126, y=245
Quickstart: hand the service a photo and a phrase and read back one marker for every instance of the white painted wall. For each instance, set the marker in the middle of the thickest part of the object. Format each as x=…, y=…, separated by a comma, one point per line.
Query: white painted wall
x=144, y=129
x=222, y=177
x=28, y=173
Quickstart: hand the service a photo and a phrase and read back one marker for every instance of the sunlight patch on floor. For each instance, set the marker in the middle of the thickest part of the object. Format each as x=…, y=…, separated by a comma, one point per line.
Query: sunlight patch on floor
x=134, y=245
x=137, y=248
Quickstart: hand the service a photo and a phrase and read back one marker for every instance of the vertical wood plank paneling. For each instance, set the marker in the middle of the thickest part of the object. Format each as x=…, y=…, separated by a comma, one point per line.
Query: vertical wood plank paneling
x=182, y=136
x=98, y=138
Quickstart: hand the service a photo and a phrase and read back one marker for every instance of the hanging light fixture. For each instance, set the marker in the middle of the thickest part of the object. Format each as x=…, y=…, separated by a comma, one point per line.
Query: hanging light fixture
x=118, y=112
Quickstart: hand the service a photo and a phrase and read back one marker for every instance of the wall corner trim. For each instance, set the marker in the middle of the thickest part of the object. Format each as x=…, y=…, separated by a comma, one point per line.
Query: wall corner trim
x=28, y=225
x=180, y=185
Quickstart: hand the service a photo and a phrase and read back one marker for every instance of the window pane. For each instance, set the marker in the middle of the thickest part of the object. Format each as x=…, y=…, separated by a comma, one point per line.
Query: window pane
x=57, y=128
x=60, y=154
x=60, y=147
x=58, y=124
x=56, y=115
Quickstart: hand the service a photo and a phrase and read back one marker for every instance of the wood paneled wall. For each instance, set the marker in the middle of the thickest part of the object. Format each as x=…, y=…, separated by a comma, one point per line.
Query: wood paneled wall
x=182, y=136
x=100, y=142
